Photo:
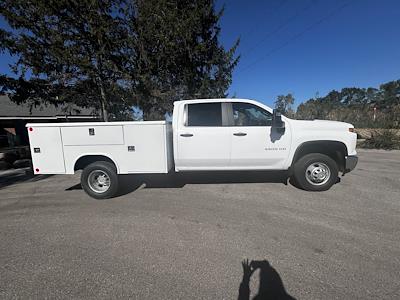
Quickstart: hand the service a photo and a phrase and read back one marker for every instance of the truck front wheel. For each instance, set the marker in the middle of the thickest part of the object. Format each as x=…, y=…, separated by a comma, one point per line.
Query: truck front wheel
x=315, y=172
x=100, y=180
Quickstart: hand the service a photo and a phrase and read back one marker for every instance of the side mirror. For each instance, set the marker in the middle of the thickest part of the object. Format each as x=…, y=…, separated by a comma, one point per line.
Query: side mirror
x=277, y=122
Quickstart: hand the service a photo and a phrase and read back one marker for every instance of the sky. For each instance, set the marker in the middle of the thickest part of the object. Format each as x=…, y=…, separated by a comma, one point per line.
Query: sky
x=305, y=47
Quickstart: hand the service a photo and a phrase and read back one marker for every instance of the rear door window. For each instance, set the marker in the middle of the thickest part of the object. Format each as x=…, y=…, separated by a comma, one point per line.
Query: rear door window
x=204, y=114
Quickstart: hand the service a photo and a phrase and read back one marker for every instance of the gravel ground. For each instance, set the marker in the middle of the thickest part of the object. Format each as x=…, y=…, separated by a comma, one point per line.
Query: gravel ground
x=169, y=238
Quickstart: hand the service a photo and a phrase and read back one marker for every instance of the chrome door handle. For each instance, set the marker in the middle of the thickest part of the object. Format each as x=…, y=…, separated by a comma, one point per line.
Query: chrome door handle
x=186, y=134
x=240, y=134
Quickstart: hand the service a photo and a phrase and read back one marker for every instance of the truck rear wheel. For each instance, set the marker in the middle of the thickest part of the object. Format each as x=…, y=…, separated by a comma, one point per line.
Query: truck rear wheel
x=100, y=180
x=315, y=172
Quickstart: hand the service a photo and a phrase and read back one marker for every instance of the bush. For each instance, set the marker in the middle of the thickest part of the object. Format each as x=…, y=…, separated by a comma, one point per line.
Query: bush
x=22, y=163
x=4, y=165
x=383, y=139
x=9, y=157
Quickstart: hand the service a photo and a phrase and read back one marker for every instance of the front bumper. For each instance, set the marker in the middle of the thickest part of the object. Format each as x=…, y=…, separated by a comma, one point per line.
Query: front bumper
x=350, y=163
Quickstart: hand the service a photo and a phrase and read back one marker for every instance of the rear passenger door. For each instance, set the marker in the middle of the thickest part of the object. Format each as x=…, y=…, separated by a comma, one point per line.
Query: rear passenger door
x=203, y=141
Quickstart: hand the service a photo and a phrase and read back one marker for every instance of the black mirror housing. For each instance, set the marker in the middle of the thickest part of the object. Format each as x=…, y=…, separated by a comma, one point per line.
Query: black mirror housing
x=277, y=122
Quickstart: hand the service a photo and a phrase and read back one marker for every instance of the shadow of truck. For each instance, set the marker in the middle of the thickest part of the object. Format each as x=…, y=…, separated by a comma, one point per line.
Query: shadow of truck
x=132, y=182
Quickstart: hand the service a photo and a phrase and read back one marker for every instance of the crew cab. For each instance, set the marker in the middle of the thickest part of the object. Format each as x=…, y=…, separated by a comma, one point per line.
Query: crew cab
x=205, y=135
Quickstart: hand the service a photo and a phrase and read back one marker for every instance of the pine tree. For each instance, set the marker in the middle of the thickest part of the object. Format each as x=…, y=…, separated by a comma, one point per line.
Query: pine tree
x=67, y=51
x=115, y=54
x=179, y=54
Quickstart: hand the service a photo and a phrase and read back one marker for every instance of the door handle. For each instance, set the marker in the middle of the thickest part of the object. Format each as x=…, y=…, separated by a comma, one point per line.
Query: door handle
x=240, y=134
x=186, y=134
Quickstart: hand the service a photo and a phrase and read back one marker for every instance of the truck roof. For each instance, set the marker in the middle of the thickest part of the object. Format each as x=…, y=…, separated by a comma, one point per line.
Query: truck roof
x=214, y=100
x=183, y=102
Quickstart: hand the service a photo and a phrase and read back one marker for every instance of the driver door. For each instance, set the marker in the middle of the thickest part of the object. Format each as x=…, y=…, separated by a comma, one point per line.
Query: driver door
x=255, y=145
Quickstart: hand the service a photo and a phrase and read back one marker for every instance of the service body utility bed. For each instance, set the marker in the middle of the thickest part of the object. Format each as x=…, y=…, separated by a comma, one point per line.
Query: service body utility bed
x=205, y=135
x=134, y=147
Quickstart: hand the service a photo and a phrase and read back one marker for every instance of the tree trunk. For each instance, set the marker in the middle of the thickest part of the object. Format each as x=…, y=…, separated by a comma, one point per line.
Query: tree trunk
x=104, y=112
x=103, y=102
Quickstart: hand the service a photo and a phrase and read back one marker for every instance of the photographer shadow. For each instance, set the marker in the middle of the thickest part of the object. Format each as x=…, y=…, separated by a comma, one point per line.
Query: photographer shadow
x=270, y=283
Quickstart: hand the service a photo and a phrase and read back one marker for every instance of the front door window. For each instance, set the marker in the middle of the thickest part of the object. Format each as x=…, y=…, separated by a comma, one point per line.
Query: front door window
x=247, y=114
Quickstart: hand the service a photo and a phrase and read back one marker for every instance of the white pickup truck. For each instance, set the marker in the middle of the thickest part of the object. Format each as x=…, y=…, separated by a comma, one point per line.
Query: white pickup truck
x=206, y=135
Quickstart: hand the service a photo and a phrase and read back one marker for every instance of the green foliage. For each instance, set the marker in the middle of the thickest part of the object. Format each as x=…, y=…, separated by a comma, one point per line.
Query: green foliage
x=385, y=139
x=67, y=51
x=284, y=104
x=179, y=54
x=115, y=54
x=357, y=106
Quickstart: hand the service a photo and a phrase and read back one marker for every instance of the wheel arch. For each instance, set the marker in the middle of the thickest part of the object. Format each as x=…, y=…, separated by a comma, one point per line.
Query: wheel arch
x=334, y=149
x=86, y=159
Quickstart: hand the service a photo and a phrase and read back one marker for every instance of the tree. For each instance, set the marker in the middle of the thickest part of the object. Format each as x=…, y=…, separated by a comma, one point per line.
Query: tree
x=284, y=104
x=391, y=93
x=179, y=54
x=369, y=107
x=115, y=54
x=67, y=51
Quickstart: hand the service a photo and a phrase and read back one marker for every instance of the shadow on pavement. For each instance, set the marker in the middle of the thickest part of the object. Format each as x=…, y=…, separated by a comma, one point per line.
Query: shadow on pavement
x=15, y=176
x=270, y=283
x=130, y=183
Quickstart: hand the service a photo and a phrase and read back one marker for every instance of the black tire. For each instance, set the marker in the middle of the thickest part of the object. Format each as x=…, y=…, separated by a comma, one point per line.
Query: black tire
x=100, y=167
x=315, y=161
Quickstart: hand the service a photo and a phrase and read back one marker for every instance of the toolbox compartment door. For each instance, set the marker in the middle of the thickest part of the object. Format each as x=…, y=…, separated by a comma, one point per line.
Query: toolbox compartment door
x=92, y=135
x=46, y=150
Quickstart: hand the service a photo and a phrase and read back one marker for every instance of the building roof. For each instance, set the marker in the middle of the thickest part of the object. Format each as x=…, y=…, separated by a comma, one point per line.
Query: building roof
x=9, y=109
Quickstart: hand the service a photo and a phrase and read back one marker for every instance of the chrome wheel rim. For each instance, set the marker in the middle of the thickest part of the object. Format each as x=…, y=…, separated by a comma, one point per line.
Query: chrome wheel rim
x=99, y=181
x=318, y=173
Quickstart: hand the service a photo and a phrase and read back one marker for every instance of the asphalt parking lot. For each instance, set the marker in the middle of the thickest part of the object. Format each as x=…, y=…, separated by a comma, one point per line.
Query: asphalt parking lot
x=185, y=239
